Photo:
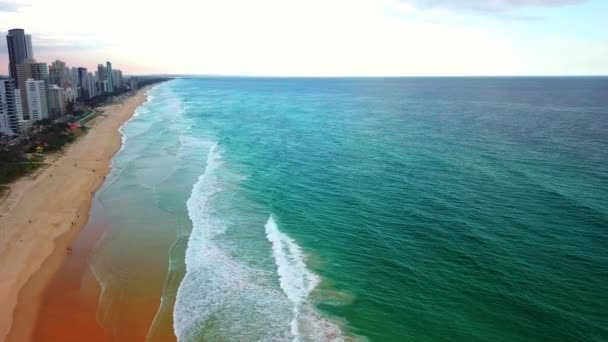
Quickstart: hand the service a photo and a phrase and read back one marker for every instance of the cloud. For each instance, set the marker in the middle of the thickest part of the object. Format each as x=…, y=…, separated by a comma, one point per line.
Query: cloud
x=491, y=6
x=8, y=6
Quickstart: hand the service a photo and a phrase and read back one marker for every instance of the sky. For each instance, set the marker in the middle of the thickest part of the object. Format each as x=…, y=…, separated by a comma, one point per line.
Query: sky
x=318, y=37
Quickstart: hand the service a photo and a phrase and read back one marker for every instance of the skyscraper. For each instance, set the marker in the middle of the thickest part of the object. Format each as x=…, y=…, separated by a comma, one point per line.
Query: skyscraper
x=74, y=81
x=83, y=82
x=109, y=77
x=4, y=130
x=59, y=74
x=92, y=86
x=19, y=49
x=103, y=86
x=70, y=95
x=28, y=46
x=57, y=99
x=23, y=124
x=37, y=99
x=9, y=114
x=116, y=79
x=26, y=70
x=120, y=80
x=101, y=73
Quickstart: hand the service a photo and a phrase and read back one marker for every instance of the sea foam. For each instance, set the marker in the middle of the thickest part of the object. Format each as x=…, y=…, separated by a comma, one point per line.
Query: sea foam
x=297, y=281
x=221, y=297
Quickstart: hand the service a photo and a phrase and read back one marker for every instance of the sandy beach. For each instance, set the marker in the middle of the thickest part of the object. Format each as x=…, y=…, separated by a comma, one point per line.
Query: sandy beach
x=44, y=213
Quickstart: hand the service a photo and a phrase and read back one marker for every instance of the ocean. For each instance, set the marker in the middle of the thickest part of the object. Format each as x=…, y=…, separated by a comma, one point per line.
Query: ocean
x=366, y=209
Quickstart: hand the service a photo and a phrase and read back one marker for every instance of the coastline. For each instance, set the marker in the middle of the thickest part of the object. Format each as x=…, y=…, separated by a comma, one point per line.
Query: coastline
x=42, y=215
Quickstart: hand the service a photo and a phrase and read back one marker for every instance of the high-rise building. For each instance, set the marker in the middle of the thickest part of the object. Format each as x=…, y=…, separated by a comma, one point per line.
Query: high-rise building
x=28, y=46
x=70, y=95
x=24, y=124
x=9, y=113
x=102, y=79
x=31, y=69
x=57, y=99
x=101, y=73
x=120, y=80
x=37, y=99
x=92, y=86
x=103, y=87
x=114, y=79
x=83, y=82
x=109, y=77
x=26, y=70
x=59, y=74
x=19, y=49
x=74, y=81
x=117, y=79
x=4, y=127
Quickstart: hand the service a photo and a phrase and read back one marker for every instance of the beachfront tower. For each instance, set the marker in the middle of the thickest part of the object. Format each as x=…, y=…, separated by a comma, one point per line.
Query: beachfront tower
x=101, y=73
x=83, y=82
x=74, y=79
x=59, y=74
x=23, y=123
x=19, y=49
x=9, y=111
x=110, y=76
x=57, y=99
x=91, y=86
x=37, y=99
x=26, y=70
x=121, y=81
x=28, y=46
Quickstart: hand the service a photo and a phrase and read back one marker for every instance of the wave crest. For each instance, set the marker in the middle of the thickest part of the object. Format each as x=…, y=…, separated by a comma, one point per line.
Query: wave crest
x=297, y=281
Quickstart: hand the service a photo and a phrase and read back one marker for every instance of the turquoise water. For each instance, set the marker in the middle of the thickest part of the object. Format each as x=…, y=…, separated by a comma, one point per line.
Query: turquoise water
x=431, y=209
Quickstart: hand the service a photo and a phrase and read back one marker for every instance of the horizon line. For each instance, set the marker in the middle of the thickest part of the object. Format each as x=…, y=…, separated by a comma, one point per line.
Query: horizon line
x=194, y=75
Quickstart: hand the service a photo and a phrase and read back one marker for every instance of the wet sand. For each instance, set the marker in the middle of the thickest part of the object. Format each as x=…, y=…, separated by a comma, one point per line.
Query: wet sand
x=68, y=305
x=42, y=216
x=71, y=306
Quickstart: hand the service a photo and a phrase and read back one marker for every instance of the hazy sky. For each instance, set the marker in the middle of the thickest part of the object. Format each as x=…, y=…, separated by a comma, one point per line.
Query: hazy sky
x=318, y=37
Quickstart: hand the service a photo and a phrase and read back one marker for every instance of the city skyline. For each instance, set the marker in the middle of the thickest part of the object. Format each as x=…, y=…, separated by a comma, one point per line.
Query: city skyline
x=35, y=90
x=317, y=38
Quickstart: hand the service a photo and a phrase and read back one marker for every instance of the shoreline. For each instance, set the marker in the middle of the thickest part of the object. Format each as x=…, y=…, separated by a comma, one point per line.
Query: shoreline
x=42, y=216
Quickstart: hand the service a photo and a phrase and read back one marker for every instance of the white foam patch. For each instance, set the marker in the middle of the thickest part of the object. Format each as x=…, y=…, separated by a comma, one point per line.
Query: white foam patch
x=123, y=135
x=149, y=96
x=297, y=281
x=221, y=298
